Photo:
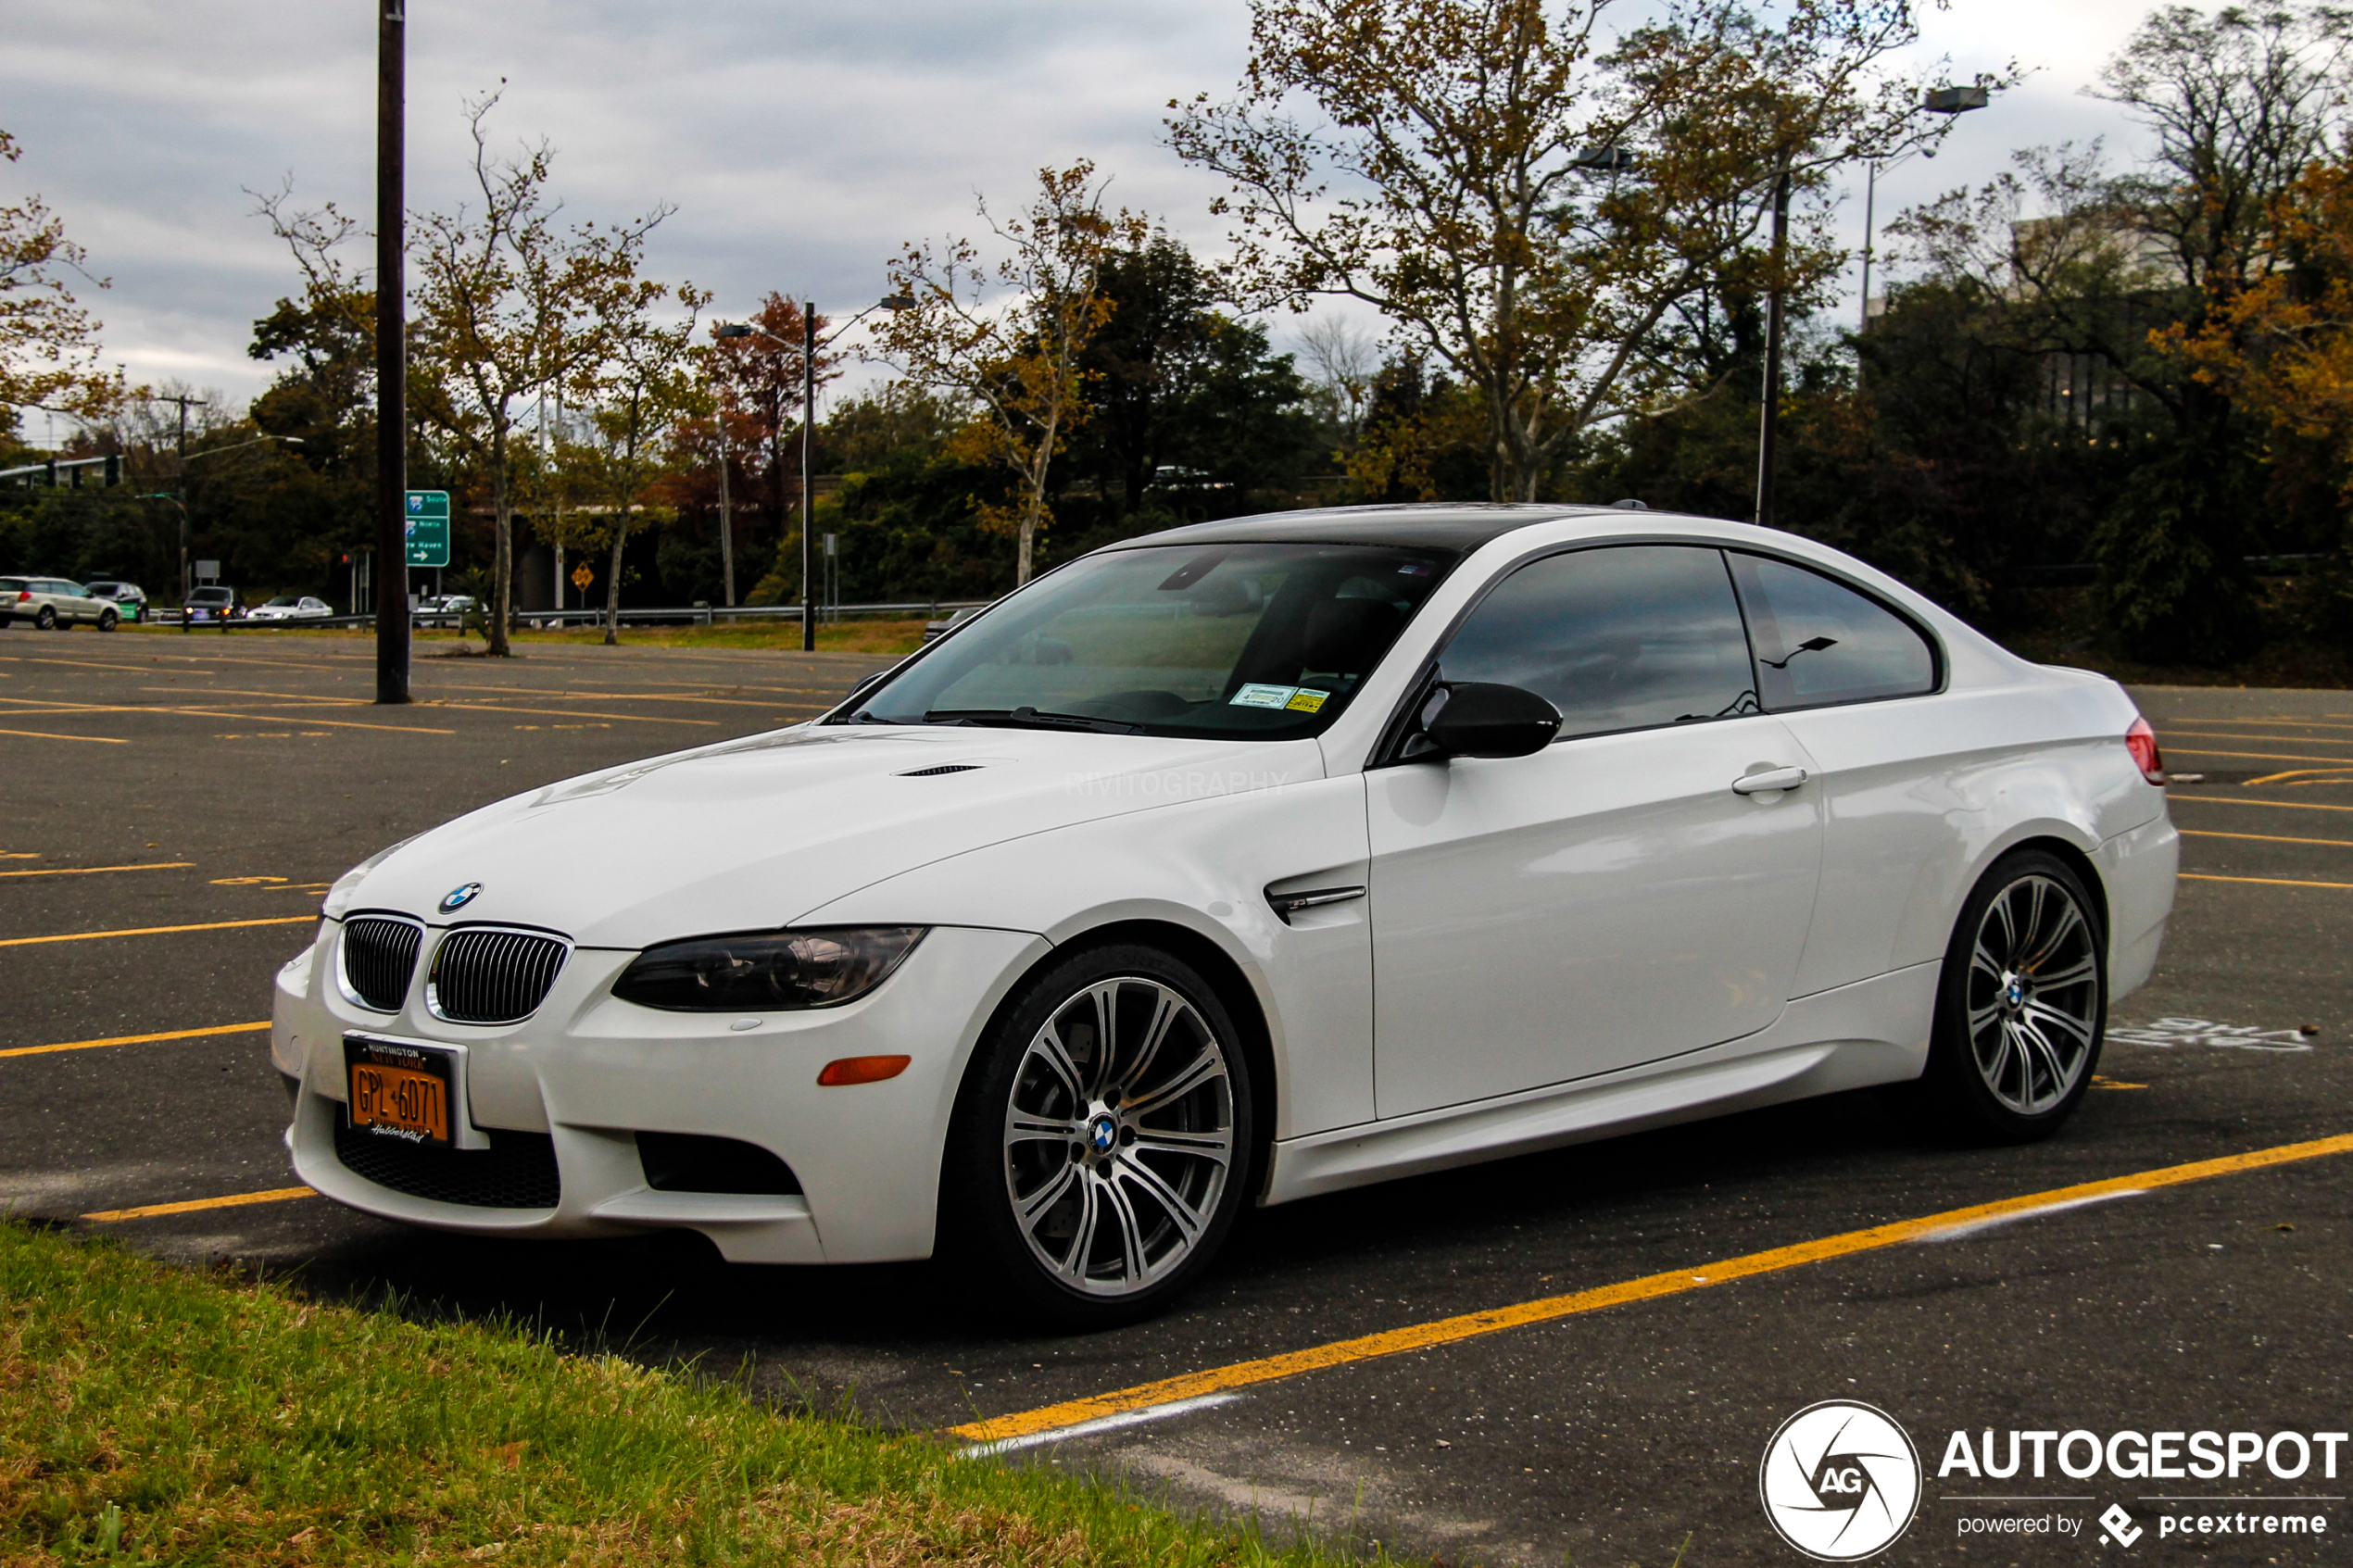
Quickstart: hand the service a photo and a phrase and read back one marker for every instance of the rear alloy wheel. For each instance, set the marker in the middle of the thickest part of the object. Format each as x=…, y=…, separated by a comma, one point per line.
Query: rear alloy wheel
x=2023, y=1008
x=1104, y=1139
x=48, y=620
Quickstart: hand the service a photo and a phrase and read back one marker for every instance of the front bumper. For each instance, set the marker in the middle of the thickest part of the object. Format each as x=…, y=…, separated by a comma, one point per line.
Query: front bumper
x=591, y=1071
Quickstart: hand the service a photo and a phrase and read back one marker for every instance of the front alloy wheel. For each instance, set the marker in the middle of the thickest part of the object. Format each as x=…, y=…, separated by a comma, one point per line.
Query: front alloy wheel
x=1116, y=1112
x=2023, y=1008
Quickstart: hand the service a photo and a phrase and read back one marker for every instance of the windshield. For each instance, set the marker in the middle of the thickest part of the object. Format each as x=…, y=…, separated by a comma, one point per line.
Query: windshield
x=281, y=602
x=1244, y=641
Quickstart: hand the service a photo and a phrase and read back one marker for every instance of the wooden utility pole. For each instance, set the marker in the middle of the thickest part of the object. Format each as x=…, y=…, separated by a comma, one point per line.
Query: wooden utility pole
x=808, y=484
x=392, y=357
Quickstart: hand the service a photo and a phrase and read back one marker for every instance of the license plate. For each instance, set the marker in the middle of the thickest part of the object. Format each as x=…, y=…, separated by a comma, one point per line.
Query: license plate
x=400, y=1091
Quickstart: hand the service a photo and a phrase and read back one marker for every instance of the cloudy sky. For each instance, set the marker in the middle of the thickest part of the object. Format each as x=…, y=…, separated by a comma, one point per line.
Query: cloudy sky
x=800, y=142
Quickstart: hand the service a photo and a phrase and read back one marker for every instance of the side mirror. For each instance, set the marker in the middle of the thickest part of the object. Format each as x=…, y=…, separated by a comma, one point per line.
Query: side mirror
x=1479, y=718
x=865, y=686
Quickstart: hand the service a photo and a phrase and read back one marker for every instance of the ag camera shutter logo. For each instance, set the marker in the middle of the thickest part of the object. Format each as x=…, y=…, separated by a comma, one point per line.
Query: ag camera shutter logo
x=1840, y=1481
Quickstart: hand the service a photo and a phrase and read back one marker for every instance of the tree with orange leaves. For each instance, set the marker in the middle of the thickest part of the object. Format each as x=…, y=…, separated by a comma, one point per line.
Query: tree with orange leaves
x=1008, y=340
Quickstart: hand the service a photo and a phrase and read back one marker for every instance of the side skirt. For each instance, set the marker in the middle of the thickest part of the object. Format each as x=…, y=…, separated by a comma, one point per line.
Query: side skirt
x=1871, y=1032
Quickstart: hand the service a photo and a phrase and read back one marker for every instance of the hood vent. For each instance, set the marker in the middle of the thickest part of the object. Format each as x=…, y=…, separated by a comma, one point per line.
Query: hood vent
x=943, y=768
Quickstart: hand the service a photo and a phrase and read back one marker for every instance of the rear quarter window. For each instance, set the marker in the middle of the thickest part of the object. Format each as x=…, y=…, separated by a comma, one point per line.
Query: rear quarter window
x=1819, y=642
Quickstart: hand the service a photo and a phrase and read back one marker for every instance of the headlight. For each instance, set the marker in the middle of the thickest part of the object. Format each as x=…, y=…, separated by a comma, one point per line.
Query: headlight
x=766, y=970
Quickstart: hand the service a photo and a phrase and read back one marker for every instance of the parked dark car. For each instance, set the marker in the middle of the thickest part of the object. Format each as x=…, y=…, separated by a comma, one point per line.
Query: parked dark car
x=129, y=598
x=213, y=603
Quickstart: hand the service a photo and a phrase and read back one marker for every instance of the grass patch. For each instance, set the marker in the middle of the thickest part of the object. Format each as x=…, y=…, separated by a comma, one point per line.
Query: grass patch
x=881, y=638
x=152, y=1414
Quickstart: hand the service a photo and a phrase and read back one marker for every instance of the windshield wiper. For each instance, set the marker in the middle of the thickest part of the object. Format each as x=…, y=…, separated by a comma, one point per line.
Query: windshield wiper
x=1028, y=718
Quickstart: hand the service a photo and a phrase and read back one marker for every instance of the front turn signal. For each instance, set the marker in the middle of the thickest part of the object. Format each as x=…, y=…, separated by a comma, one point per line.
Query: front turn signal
x=861, y=1070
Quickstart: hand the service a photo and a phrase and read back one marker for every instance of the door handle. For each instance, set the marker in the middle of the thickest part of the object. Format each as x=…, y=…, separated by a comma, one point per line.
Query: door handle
x=1765, y=784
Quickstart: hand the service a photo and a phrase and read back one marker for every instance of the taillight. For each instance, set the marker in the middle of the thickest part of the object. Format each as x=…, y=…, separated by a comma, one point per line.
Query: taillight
x=2140, y=741
x=24, y=595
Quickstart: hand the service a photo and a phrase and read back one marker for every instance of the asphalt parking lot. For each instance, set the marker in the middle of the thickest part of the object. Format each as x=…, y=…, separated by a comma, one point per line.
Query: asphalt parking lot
x=175, y=807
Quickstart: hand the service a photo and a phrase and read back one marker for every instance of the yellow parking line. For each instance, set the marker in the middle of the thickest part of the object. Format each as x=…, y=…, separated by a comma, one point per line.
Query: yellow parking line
x=138, y=1039
x=154, y=930
x=241, y=691
x=47, y=734
x=2186, y=833
x=2226, y=735
x=93, y=871
x=2257, y=756
x=1446, y=1331
x=234, y=1201
x=2279, y=718
x=82, y=663
x=2260, y=880
x=572, y=713
x=2282, y=804
x=332, y=723
x=301, y=705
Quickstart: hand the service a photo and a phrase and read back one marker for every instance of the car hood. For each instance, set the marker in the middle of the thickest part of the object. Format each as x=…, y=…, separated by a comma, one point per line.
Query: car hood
x=752, y=834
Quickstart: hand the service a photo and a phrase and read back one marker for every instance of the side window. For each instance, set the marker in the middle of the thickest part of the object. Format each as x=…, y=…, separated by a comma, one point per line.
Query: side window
x=1819, y=642
x=1618, y=638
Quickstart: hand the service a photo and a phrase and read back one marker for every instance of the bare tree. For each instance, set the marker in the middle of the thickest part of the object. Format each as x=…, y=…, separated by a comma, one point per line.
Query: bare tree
x=1528, y=209
x=48, y=342
x=1344, y=358
x=1009, y=338
x=508, y=304
x=650, y=383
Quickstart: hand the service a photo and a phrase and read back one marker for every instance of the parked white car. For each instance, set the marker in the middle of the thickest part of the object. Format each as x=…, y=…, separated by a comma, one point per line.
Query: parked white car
x=1324, y=848
x=290, y=607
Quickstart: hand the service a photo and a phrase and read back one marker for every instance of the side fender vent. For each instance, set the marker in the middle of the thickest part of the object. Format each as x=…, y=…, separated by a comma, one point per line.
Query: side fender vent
x=943, y=768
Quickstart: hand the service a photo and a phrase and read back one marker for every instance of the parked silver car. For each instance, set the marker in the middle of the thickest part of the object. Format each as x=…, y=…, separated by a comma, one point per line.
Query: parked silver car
x=53, y=604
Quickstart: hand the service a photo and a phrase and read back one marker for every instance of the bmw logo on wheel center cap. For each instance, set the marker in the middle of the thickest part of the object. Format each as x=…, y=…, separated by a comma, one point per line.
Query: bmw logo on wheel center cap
x=458, y=897
x=1102, y=1132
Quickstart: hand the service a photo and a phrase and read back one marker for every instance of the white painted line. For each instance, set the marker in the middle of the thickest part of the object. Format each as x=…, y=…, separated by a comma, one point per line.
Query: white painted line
x=1102, y=1423
x=1957, y=1233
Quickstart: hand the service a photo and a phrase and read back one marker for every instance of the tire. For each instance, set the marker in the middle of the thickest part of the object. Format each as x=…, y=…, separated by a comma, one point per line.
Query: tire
x=48, y=620
x=1087, y=1189
x=108, y=620
x=2022, y=1007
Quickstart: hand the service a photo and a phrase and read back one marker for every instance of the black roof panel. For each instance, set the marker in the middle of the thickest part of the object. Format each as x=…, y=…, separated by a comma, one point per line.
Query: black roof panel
x=1456, y=526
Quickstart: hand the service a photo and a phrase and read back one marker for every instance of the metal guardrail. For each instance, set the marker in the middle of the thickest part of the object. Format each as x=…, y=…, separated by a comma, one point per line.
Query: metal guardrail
x=697, y=615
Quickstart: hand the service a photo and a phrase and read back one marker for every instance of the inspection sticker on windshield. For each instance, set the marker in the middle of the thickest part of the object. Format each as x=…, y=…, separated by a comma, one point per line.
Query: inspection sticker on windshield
x=1305, y=701
x=1255, y=695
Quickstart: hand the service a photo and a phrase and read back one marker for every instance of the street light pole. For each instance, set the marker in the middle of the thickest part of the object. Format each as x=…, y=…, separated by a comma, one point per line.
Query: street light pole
x=809, y=346
x=1768, y=429
x=392, y=357
x=1941, y=100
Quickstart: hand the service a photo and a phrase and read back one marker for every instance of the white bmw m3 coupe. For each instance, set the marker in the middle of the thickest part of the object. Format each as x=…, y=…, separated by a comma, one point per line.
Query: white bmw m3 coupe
x=1237, y=864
